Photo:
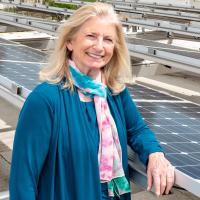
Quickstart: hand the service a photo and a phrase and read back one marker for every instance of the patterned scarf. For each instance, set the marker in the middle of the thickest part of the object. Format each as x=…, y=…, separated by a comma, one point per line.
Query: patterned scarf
x=109, y=154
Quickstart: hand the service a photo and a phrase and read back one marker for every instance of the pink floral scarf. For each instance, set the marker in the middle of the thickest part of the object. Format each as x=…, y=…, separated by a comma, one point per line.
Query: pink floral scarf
x=110, y=153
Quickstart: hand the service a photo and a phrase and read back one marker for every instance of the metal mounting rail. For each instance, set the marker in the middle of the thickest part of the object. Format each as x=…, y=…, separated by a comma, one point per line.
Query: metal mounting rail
x=29, y=23
x=118, y=6
x=164, y=56
x=180, y=28
x=157, y=12
x=153, y=4
x=36, y=24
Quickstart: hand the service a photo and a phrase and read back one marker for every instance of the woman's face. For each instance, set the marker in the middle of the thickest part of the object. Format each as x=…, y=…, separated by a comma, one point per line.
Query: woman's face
x=93, y=44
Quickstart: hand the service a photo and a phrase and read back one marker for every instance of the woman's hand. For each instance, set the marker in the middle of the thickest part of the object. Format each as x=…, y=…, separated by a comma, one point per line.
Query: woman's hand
x=160, y=172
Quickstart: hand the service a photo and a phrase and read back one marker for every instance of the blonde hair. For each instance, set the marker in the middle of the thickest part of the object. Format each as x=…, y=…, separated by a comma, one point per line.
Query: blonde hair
x=57, y=68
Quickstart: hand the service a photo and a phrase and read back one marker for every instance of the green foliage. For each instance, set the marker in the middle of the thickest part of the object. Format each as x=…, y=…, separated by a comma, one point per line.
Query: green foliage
x=10, y=9
x=89, y=0
x=62, y=5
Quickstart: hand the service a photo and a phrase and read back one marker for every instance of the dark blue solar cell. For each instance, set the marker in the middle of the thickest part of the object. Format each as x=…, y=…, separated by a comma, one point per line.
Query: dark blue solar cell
x=192, y=137
x=196, y=128
x=181, y=160
x=144, y=104
x=149, y=115
x=195, y=155
x=168, y=149
x=186, y=147
x=193, y=171
x=168, y=138
x=23, y=74
x=157, y=129
x=21, y=53
x=162, y=121
x=192, y=114
x=173, y=115
x=188, y=121
x=139, y=92
x=181, y=129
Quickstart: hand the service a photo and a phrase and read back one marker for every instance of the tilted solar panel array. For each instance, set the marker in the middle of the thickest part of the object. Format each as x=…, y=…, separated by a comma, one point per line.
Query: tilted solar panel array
x=176, y=122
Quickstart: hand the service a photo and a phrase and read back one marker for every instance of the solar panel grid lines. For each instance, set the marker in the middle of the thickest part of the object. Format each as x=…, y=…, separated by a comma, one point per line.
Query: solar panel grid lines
x=20, y=64
x=139, y=92
x=176, y=123
x=20, y=53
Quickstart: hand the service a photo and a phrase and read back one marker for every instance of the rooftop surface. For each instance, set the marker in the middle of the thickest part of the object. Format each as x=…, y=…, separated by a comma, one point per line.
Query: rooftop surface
x=181, y=84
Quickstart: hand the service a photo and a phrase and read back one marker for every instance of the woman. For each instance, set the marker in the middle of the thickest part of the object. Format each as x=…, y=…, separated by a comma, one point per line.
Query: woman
x=73, y=130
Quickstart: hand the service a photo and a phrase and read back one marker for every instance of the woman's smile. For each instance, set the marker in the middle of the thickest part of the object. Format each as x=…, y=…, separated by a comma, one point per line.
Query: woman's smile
x=95, y=56
x=93, y=45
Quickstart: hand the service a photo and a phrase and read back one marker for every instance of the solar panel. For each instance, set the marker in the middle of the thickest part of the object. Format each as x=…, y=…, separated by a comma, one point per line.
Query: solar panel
x=20, y=64
x=22, y=73
x=139, y=92
x=15, y=52
x=176, y=123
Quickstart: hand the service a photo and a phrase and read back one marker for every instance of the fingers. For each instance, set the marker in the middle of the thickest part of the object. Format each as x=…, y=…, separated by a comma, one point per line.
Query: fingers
x=170, y=179
x=149, y=180
x=160, y=173
x=163, y=183
x=157, y=181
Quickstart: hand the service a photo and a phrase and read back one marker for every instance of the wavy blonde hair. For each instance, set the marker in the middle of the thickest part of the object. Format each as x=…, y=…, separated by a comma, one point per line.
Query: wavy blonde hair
x=57, y=68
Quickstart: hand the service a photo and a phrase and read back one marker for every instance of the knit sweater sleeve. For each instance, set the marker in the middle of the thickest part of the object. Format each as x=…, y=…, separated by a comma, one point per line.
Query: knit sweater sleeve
x=31, y=146
x=140, y=138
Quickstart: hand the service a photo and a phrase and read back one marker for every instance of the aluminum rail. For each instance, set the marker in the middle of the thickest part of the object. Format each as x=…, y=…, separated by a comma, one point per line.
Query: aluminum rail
x=172, y=58
x=179, y=28
x=165, y=57
x=129, y=8
x=188, y=28
x=153, y=4
x=45, y=21
x=120, y=7
x=29, y=23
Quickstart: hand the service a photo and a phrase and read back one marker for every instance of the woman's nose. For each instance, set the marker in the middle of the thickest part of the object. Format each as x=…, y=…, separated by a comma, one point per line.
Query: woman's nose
x=99, y=43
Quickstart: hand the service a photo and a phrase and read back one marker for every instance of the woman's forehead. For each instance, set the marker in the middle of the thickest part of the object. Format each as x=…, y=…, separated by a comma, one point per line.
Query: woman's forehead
x=99, y=25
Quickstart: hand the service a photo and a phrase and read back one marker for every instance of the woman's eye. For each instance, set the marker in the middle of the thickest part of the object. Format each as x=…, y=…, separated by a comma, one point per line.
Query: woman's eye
x=90, y=36
x=109, y=40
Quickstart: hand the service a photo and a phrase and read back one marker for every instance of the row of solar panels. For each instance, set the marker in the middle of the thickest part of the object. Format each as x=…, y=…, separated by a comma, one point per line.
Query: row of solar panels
x=154, y=51
x=164, y=25
x=121, y=6
x=157, y=12
x=169, y=4
x=175, y=121
x=182, y=28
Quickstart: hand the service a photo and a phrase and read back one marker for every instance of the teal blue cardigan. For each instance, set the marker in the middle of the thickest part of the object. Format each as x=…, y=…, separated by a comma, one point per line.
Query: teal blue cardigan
x=54, y=153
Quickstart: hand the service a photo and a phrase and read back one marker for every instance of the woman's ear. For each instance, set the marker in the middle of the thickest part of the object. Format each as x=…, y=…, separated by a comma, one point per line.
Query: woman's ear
x=69, y=45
